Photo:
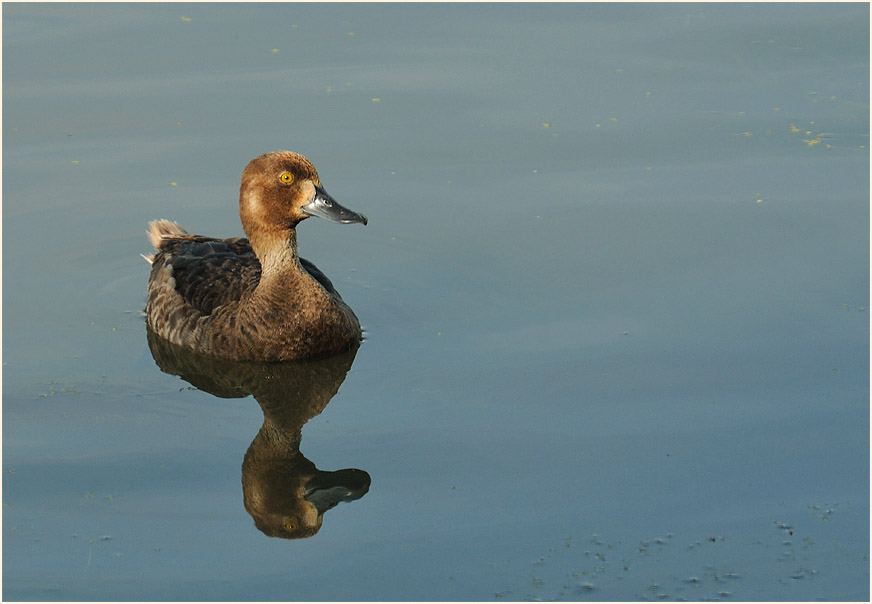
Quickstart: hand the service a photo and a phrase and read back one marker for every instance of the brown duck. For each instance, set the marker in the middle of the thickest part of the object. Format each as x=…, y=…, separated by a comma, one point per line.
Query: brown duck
x=253, y=299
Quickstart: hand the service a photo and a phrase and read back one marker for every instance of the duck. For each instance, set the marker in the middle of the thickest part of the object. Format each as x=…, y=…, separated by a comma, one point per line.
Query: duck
x=253, y=298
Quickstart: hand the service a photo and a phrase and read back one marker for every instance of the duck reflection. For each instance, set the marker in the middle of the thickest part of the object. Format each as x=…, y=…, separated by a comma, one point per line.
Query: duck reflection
x=283, y=491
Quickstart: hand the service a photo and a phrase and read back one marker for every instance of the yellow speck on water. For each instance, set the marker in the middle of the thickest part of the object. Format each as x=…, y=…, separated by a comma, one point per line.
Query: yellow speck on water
x=742, y=113
x=186, y=19
x=812, y=142
x=793, y=128
x=746, y=134
x=619, y=70
x=546, y=124
x=75, y=161
x=759, y=201
x=376, y=100
x=174, y=184
x=330, y=89
x=351, y=34
x=647, y=94
x=613, y=119
x=275, y=51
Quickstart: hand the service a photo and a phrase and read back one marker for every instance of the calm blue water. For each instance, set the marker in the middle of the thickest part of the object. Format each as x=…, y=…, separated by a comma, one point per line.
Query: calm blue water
x=615, y=288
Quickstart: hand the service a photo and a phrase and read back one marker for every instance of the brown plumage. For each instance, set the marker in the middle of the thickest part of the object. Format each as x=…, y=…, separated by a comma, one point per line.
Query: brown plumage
x=253, y=299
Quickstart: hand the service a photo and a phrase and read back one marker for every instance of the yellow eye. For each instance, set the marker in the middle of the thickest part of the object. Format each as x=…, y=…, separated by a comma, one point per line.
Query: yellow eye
x=290, y=523
x=287, y=177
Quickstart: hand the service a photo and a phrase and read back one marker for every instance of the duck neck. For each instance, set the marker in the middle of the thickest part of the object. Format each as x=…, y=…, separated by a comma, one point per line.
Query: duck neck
x=283, y=280
x=277, y=252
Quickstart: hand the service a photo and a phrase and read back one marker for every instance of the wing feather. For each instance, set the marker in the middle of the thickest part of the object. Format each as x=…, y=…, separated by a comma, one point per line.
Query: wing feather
x=212, y=272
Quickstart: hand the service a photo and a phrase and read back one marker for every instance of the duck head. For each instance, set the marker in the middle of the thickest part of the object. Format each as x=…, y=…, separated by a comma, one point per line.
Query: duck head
x=282, y=188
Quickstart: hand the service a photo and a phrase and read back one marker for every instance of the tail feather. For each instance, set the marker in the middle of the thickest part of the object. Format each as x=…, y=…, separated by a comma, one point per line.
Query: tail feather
x=159, y=229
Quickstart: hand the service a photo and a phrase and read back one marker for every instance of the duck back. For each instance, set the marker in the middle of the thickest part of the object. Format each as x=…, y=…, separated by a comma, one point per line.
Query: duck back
x=201, y=295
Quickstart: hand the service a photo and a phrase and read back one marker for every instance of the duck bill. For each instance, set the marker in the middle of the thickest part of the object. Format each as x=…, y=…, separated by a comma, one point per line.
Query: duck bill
x=327, y=489
x=324, y=206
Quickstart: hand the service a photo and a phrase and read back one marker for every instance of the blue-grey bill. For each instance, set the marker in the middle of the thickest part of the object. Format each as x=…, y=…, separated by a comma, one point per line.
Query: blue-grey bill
x=324, y=206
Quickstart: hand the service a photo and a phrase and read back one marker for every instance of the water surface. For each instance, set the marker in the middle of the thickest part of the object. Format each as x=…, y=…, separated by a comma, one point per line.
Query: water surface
x=615, y=288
